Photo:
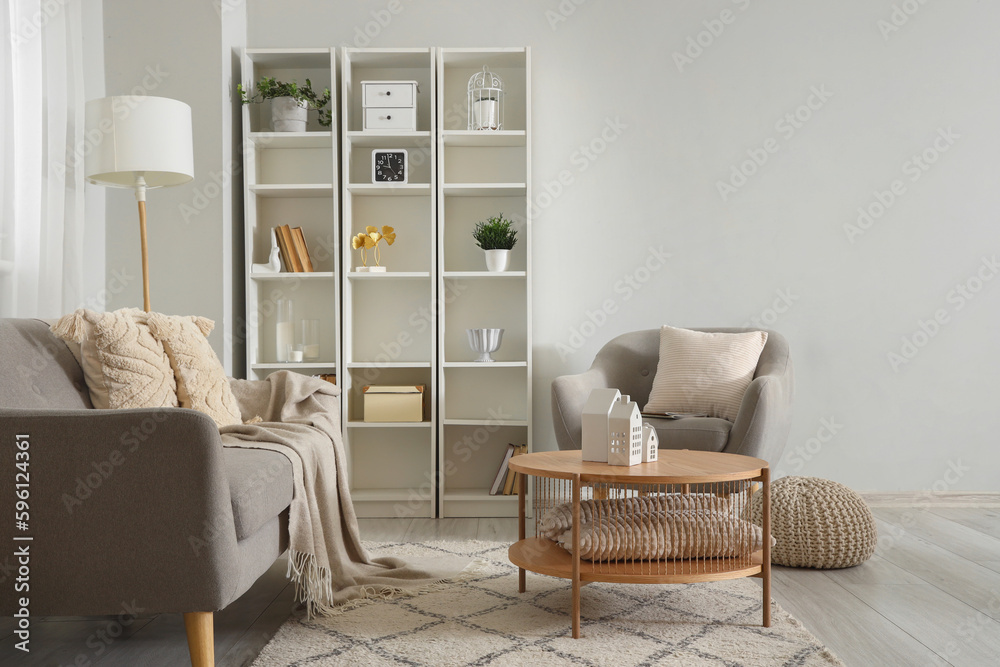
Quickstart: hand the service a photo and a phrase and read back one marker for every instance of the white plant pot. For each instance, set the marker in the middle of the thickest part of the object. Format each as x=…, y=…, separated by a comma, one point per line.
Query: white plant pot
x=497, y=260
x=288, y=115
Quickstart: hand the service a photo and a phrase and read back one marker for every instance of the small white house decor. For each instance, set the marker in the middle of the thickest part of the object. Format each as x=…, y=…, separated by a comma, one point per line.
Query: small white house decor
x=486, y=93
x=596, y=433
x=625, y=437
x=650, y=444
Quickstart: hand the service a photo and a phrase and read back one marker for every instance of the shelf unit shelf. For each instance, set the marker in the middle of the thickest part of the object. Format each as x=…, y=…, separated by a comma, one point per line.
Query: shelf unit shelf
x=293, y=190
x=372, y=190
x=292, y=139
x=297, y=157
x=485, y=422
x=389, y=275
x=489, y=403
x=384, y=139
x=388, y=364
x=359, y=424
x=389, y=462
x=485, y=190
x=475, y=275
x=313, y=275
x=464, y=138
x=485, y=364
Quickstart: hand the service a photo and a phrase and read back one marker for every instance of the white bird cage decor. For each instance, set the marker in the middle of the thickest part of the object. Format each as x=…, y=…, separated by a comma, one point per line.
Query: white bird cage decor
x=625, y=434
x=650, y=444
x=486, y=94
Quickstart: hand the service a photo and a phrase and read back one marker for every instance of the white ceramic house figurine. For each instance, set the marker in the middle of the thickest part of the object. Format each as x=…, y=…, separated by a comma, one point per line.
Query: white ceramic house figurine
x=625, y=439
x=273, y=262
x=596, y=412
x=650, y=444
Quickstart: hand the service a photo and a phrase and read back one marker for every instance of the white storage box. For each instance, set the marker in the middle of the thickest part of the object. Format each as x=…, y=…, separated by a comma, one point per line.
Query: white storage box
x=385, y=403
x=389, y=105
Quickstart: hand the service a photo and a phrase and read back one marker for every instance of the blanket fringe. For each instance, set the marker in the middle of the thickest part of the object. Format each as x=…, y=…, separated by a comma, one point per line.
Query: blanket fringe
x=311, y=579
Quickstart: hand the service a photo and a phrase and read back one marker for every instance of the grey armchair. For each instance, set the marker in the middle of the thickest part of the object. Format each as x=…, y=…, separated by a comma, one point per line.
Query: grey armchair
x=628, y=363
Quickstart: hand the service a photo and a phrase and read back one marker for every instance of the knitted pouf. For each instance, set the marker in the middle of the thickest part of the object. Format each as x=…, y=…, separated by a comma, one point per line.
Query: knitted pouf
x=818, y=523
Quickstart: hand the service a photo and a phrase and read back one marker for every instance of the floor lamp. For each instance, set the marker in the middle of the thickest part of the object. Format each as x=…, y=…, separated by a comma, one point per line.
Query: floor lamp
x=139, y=143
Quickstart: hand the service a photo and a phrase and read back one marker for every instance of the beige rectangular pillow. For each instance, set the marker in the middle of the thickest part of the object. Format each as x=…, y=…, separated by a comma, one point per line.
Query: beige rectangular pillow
x=201, y=381
x=703, y=372
x=124, y=366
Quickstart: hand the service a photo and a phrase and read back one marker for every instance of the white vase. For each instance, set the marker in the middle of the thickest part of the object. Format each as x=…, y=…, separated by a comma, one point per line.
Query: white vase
x=288, y=115
x=497, y=260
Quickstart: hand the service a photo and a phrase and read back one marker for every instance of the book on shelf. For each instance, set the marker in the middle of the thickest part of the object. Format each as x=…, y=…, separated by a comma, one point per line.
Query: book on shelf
x=284, y=250
x=510, y=483
x=301, y=249
x=498, y=481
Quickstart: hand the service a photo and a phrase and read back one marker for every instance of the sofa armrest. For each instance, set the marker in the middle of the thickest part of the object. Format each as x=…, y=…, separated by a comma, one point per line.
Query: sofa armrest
x=127, y=507
x=765, y=416
x=569, y=394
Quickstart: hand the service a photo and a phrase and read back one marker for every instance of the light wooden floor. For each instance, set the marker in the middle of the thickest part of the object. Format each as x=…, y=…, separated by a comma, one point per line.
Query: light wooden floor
x=930, y=596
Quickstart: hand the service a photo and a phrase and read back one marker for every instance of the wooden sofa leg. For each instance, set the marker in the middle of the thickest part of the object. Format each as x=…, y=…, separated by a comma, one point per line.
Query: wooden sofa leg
x=201, y=638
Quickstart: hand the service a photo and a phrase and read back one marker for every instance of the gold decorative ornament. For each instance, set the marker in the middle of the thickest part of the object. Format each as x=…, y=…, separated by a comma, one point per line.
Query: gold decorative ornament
x=369, y=240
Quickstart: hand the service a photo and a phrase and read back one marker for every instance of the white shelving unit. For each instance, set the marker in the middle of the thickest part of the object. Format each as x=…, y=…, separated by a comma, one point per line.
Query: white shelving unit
x=483, y=406
x=391, y=330
x=291, y=178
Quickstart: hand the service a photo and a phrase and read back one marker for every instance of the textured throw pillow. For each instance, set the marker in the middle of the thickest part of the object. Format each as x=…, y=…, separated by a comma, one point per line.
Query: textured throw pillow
x=124, y=366
x=201, y=381
x=702, y=372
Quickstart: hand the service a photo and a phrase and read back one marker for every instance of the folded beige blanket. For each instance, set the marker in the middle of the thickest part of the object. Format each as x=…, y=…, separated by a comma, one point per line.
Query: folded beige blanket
x=301, y=419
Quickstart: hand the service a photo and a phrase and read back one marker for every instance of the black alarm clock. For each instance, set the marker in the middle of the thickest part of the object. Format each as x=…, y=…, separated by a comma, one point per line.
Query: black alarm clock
x=389, y=166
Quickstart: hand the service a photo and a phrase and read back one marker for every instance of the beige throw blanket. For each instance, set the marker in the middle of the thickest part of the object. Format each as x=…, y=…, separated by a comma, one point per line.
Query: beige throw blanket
x=301, y=419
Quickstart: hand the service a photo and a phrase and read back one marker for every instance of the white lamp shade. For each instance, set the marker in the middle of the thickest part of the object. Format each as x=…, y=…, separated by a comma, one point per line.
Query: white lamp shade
x=132, y=136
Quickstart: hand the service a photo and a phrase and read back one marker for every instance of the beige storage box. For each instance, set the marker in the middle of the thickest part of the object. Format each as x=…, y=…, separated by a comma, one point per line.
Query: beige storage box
x=394, y=403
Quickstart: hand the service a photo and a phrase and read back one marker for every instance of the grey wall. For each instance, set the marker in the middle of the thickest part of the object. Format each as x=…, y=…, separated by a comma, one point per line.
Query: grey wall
x=661, y=137
x=182, y=50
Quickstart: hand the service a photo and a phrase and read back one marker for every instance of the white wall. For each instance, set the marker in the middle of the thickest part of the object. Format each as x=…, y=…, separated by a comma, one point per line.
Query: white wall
x=183, y=50
x=779, y=240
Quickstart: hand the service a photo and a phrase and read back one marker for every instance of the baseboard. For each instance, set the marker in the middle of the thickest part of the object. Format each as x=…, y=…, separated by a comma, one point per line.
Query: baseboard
x=932, y=499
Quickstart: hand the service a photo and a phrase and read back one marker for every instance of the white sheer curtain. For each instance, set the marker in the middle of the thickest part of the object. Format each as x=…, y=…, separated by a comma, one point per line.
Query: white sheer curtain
x=42, y=147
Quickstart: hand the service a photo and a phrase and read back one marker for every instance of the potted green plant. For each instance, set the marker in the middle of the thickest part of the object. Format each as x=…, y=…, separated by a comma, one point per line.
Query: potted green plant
x=290, y=103
x=496, y=236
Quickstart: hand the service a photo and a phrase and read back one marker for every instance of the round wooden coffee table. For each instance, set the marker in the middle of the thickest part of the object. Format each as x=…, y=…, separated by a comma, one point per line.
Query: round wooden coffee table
x=709, y=493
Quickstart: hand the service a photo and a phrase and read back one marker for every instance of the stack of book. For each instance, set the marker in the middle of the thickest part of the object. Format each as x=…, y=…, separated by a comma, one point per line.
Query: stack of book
x=294, y=253
x=505, y=483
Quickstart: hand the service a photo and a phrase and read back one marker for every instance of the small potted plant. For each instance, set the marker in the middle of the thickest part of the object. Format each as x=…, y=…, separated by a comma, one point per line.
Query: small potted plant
x=290, y=103
x=369, y=240
x=496, y=236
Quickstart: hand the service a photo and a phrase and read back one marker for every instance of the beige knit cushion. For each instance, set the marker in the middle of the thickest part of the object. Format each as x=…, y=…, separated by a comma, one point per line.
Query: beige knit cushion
x=201, y=381
x=559, y=519
x=818, y=523
x=655, y=528
x=77, y=330
x=702, y=372
x=124, y=366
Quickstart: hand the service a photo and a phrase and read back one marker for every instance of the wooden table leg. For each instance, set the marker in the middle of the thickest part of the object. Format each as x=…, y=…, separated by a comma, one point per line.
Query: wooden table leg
x=576, y=556
x=522, y=492
x=766, y=529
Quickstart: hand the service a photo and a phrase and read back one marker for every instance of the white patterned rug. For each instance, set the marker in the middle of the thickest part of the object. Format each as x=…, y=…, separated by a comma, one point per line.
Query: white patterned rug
x=485, y=621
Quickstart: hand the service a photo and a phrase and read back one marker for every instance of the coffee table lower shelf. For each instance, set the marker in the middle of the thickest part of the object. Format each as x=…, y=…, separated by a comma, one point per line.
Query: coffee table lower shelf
x=543, y=556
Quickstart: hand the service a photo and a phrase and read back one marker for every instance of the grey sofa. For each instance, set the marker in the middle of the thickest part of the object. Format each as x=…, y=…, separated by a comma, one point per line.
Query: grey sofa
x=628, y=363
x=128, y=509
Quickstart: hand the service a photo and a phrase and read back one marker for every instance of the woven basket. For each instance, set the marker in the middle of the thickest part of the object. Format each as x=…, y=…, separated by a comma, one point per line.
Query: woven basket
x=818, y=523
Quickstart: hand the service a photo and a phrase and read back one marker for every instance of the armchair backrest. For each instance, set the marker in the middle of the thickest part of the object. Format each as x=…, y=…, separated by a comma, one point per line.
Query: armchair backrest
x=37, y=370
x=629, y=360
